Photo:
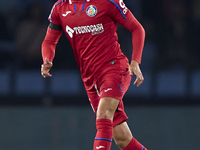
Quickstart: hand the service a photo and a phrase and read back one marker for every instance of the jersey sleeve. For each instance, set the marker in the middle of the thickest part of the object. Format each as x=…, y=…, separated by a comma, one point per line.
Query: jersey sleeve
x=122, y=15
x=49, y=44
x=53, y=17
x=118, y=10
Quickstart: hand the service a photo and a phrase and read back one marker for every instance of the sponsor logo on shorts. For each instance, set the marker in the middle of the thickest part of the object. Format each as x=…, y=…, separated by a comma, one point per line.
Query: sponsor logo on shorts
x=109, y=89
x=100, y=147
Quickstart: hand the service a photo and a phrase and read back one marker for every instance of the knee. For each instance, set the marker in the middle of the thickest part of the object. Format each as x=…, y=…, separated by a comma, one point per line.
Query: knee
x=107, y=107
x=106, y=114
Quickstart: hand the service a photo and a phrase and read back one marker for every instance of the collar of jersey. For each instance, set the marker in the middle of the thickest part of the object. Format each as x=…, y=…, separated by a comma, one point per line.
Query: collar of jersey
x=72, y=1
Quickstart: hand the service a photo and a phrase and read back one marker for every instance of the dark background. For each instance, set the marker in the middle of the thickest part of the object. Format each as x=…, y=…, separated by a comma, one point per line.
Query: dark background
x=170, y=62
x=38, y=113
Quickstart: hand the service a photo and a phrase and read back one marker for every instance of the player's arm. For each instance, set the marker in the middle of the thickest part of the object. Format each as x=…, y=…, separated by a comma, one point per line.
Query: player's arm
x=121, y=14
x=138, y=37
x=48, y=48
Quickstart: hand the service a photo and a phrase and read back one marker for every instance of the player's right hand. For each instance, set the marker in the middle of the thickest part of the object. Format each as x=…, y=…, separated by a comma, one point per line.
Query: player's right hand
x=45, y=68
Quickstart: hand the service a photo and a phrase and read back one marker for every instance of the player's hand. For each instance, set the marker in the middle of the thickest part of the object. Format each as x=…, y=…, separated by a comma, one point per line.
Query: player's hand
x=134, y=69
x=45, y=68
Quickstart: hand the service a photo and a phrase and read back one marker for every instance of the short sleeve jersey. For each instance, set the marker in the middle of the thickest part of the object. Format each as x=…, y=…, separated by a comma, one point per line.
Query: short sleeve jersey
x=91, y=27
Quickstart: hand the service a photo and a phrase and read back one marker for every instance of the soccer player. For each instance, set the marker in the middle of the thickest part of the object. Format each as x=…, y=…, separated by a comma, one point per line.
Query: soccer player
x=90, y=26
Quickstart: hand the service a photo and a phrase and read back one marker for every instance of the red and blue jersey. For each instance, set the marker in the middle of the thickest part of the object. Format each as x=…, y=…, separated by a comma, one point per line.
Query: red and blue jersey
x=91, y=27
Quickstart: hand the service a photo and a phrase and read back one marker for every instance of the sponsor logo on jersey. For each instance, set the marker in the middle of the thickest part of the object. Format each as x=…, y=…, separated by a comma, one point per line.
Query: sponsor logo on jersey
x=93, y=29
x=91, y=11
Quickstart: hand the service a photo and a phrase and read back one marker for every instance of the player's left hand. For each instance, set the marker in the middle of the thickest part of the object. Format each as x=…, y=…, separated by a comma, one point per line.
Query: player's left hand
x=134, y=69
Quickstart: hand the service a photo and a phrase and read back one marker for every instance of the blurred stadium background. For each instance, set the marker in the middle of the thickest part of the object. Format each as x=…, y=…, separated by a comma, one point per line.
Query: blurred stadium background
x=54, y=113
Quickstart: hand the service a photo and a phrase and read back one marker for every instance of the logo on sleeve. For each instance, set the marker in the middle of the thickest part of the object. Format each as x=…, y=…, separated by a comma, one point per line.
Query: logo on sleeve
x=123, y=6
x=91, y=11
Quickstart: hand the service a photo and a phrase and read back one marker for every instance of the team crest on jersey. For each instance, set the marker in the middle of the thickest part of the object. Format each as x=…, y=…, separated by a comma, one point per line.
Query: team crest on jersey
x=91, y=11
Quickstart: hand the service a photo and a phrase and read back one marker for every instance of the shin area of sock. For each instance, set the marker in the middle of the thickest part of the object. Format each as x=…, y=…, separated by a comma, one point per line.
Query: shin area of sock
x=103, y=139
x=134, y=145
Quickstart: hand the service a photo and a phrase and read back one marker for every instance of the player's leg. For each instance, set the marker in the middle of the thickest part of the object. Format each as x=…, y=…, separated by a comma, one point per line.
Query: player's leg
x=124, y=138
x=104, y=110
x=111, y=87
x=104, y=116
x=122, y=135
